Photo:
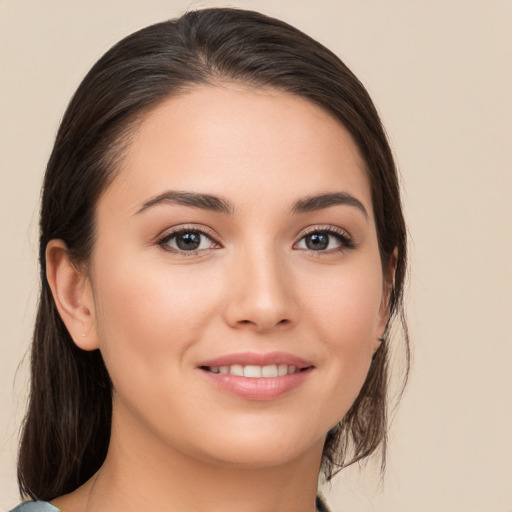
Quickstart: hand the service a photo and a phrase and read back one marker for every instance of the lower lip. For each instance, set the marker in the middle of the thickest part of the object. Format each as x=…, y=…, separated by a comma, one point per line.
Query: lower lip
x=262, y=388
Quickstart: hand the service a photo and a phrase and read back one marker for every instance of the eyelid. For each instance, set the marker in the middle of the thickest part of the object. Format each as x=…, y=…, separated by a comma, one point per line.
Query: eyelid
x=344, y=237
x=166, y=235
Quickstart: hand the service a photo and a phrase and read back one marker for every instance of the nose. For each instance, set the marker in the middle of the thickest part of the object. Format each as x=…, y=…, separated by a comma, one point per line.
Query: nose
x=261, y=296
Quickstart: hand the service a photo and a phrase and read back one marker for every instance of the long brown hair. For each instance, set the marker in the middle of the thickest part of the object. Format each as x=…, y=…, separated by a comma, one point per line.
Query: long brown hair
x=67, y=427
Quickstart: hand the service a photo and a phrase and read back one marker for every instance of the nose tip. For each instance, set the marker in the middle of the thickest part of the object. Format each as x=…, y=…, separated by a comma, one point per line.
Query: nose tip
x=261, y=320
x=261, y=299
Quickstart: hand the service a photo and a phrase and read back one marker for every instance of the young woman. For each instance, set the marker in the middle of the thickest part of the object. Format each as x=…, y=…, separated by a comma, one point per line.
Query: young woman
x=222, y=254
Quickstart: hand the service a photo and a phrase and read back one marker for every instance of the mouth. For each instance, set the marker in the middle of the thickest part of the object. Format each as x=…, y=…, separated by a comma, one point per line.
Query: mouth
x=252, y=371
x=253, y=376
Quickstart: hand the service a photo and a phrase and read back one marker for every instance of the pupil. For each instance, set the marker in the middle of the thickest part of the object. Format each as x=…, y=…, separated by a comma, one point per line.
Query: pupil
x=317, y=241
x=188, y=241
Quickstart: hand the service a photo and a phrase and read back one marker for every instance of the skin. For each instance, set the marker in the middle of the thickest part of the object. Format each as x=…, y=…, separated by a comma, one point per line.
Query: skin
x=178, y=442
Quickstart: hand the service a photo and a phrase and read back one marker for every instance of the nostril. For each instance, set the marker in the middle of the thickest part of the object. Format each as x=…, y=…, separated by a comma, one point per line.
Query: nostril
x=260, y=326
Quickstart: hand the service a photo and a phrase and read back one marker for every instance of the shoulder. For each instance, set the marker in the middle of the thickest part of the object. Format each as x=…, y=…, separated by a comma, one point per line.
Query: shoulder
x=35, y=506
x=44, y=506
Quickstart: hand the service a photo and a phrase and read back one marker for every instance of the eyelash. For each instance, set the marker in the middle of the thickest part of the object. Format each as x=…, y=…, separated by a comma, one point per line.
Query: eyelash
x=346, y=242
x=342, y=237
x=164, y=241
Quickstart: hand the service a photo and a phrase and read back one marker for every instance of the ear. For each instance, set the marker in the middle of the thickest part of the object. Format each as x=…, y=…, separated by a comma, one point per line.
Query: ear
x=387, y=288
x=72, y=294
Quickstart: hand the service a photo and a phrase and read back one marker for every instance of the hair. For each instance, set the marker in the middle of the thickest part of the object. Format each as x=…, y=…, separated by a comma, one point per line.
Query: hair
x=66, y=430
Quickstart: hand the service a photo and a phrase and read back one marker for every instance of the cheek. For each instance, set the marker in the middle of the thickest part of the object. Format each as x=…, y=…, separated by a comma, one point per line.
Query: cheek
x=148, y=317
x=346, y=303
x=345, y=314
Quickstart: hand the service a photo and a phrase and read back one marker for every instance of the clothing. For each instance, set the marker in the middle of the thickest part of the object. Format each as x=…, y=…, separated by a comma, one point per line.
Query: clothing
x=36, y=506
x=44, y=506
x=321, y=506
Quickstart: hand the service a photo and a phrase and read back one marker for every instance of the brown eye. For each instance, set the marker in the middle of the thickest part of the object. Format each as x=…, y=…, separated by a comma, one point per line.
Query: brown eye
x=187, y=241
x=328, y=240
x=317, y=241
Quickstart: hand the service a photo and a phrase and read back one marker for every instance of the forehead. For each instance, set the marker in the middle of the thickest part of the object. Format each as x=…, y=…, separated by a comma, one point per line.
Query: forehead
x=237, y=142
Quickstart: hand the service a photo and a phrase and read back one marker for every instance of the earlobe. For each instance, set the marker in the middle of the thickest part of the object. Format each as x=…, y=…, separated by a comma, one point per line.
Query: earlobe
x=72, y=294
x=387, y=290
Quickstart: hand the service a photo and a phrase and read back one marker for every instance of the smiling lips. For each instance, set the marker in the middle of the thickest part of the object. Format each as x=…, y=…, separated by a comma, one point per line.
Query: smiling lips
x=257, y=376
x=253, y=371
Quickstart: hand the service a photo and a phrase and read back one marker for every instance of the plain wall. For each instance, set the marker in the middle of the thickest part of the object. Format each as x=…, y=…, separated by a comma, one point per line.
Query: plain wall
x=440, y=74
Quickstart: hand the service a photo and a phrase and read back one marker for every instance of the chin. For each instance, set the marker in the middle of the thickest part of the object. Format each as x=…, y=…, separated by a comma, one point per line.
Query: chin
x=258, y=449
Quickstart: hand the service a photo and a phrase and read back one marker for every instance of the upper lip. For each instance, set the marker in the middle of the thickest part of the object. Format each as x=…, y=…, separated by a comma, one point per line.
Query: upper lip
x=257, y=359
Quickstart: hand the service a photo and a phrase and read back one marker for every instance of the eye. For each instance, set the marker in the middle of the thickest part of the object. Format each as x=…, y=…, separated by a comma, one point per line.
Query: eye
x=326, y=240
x=188, y=240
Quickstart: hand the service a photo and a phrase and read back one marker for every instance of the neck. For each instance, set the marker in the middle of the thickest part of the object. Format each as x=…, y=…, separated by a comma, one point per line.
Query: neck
x=148, y=475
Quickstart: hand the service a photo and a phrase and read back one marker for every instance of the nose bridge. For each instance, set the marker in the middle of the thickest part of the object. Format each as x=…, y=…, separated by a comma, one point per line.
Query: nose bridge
x=262, y=293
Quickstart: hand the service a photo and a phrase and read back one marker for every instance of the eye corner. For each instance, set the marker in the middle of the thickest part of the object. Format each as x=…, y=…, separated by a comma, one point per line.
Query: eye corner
x=323, y=243
x=191, y=244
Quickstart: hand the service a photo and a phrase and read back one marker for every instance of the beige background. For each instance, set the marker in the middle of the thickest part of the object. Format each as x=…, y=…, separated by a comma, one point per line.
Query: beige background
x=440, y=73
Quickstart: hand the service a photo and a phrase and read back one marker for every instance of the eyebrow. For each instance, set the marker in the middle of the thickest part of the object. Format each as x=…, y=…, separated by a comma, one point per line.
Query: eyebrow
x=193, y=199
x=321, y=201
x=221, y=205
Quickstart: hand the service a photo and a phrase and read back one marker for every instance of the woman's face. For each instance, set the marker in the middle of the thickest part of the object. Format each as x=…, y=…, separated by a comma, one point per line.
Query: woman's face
x=236, y=281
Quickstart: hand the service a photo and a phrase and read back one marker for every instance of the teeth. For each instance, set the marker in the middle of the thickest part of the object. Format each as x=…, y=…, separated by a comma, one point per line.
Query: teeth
x=282, y=369
x=269, y=371
x=236, y=369
x=253, y=371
